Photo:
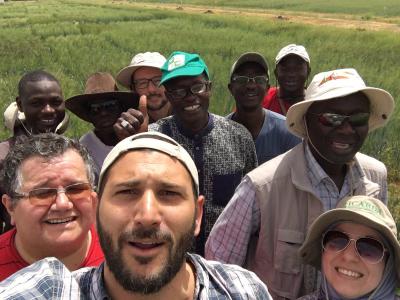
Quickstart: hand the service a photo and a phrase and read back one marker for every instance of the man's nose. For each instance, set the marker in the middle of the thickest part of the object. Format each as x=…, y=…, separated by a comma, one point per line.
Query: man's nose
x=62, y=202
x=147, y=210
x=48, y=108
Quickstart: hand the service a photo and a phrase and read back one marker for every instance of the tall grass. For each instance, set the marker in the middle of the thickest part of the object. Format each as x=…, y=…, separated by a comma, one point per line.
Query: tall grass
x=72, y=39
x=370, y=8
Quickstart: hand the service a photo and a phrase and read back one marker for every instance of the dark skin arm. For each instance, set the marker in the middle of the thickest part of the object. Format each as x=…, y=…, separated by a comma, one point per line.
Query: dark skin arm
x=138, y=120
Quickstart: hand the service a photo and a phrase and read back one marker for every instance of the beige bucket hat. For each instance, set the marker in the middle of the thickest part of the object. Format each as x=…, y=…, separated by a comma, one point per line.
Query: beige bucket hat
x=363, y=210
x=147, y=59
x=335, y=84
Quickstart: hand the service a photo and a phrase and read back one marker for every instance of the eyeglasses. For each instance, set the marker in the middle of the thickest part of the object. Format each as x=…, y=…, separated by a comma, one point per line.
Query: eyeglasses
x=336, y=120
x=46, y=196
x=242, y=80
x=369, y=249
x=144, y=83
x=110, y=106
x=195, y=89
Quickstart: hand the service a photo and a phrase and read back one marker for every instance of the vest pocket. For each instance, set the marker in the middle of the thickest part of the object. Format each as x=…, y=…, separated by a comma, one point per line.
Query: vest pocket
x=287, y=259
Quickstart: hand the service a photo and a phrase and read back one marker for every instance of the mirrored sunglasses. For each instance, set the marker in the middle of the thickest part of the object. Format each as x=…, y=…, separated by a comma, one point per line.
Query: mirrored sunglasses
x=368, y=249
x=336, y=120
x=109, y=105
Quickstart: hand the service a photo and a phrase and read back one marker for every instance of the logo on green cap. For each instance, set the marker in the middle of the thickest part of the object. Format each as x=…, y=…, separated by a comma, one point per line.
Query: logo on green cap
x=176, y=61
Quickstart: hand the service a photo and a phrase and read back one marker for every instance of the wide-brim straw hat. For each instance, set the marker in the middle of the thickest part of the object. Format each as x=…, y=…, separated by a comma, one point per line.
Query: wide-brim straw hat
x=100, y=86
x=335, y=84
x=364, y=210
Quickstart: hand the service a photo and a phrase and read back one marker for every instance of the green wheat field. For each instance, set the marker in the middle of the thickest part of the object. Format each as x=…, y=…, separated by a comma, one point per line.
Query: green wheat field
x=73, y=39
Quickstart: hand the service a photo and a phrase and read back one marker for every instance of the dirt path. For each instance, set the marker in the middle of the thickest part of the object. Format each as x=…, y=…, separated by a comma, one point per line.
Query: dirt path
x=336, y=20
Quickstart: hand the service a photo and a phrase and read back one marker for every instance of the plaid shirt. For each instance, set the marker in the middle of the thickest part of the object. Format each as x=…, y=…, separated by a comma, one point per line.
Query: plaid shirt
x=241, y=218
x=50, y=279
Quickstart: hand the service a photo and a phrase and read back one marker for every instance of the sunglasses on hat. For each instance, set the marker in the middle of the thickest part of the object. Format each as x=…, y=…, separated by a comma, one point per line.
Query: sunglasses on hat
x=368, y=249
x=336, y=120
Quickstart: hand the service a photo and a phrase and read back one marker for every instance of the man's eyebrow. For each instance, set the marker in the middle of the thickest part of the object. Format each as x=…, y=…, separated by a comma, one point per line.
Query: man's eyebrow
x=129, y=183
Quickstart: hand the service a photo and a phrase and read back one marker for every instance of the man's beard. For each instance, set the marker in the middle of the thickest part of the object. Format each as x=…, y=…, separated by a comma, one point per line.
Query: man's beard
x=151, y=106
x=145, y=284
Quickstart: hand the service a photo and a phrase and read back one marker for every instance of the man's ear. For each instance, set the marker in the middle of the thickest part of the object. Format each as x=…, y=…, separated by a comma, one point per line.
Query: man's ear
x=199, y=214
x=10, y=206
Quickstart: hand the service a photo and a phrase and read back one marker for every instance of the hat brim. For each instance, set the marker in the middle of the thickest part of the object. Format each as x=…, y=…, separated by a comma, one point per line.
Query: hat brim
x=186, y=71
x=79, y=104
x=381, y=108
x=250, y=57
x=124, y=76
x=311, y=250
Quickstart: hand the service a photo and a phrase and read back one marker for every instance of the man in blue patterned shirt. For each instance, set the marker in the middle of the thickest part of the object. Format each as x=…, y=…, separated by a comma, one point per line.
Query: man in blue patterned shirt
x=222, y=150
x=149, y=212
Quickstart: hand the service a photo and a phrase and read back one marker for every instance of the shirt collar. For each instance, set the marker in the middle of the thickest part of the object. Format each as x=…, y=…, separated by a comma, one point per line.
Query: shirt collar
x=190, y=134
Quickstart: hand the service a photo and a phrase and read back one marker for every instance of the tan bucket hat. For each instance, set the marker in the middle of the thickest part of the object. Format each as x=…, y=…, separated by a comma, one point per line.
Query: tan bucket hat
x=363, y=210
x=100, y=85
x=335, y=84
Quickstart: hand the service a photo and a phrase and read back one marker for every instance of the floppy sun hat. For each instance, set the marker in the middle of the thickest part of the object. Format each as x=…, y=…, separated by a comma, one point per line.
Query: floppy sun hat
x=183, y=64
x=335, y=84
x=100, y=86
x=294, y=49
x=250, y=57
x=151, y=140
x=147, y=59
x=363, y=210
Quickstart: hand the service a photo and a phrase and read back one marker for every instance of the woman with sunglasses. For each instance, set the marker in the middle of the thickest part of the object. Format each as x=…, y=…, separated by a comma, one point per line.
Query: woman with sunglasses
x=356, y=248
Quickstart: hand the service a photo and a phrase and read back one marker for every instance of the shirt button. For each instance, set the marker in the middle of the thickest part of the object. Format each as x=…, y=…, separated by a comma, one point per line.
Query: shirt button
x=197, y=148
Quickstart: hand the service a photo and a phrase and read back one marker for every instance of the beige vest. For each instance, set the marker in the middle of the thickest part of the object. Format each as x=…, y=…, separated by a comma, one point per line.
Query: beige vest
x=288, y=207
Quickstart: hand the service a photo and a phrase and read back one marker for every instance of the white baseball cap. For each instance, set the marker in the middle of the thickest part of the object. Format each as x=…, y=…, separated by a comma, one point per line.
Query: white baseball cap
x=335, y=84
x=147, y=59
x=151, y=140
x=298, y=50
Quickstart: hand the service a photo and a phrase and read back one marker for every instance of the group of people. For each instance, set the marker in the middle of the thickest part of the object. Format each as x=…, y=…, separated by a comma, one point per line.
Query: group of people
x=166, y=199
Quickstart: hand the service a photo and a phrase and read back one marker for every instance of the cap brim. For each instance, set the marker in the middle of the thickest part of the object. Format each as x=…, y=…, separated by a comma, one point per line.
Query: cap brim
x=311, y=250
x=250, y=57
x=381, y=107
x=78, y=104
x=179, y=72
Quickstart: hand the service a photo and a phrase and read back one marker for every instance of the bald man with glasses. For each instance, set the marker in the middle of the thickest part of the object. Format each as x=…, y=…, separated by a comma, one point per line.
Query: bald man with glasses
x=49, y=181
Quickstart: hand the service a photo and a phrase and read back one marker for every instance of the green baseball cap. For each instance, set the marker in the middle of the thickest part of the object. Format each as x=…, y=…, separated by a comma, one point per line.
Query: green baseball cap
x=183, y=64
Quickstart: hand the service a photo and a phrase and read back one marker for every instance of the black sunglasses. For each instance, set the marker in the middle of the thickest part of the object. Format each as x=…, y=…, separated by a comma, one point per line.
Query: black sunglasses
x=336, y=120
x=369, y=249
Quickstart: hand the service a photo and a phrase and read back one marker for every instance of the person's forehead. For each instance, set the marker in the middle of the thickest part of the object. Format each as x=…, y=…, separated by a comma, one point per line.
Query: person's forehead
x=42, y=88
x=357, y=230
x=69, y=160
x=146, y=73
x=250, y=66
x=292, y=59
x=185, y=80
x=138, y=156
